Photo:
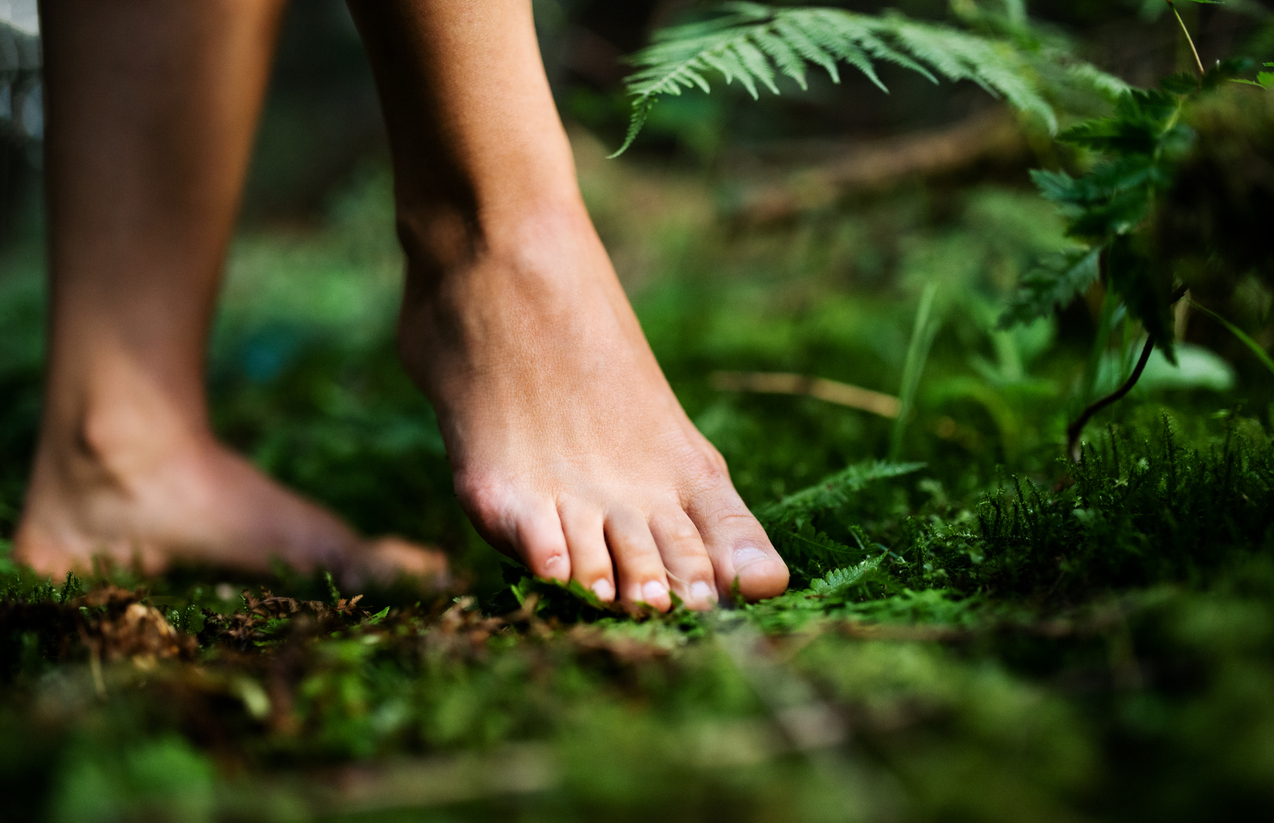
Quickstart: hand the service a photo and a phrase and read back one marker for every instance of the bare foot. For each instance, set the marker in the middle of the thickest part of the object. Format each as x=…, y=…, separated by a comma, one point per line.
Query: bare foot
x=569, y=448
x=194, y=501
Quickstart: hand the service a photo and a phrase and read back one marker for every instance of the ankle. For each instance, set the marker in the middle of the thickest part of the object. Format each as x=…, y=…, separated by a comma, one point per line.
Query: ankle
x=442, y=244
x=115, y=442
x=533, y=264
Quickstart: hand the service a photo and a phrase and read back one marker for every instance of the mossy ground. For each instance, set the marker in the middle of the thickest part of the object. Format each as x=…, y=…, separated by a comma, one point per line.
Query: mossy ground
x=986, y=633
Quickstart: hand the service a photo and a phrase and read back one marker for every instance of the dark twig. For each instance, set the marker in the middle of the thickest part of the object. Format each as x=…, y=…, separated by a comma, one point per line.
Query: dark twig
x=1075, y=429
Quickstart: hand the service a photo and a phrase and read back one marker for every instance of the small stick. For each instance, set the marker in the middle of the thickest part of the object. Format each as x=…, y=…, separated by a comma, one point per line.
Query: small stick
x=832, y=391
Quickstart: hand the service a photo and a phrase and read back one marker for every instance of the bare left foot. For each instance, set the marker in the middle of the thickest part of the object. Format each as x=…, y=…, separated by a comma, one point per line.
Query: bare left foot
x=156, y=500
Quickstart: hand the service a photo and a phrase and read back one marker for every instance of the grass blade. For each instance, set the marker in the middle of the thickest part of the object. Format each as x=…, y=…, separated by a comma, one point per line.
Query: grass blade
x=1243, y=337
x=922, y=334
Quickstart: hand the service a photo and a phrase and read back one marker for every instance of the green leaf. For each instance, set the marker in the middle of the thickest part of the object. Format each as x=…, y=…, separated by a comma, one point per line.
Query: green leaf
x=1196, y=368
x=756, y=44
x=1057, y=186
x=832, y=491
x=1225, y=70
x=839, y=583
x=1145, y=290
x=1053, y=283
x=1140, y=121
x=641, y=112
x=1183, y=82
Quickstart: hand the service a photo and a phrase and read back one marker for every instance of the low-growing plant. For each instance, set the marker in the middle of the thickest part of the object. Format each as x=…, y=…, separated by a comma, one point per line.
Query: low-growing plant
x=1116, y=211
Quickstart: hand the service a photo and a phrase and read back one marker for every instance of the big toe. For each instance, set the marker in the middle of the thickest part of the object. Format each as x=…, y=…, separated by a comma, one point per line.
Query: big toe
x=760, y=571
x=741, y=552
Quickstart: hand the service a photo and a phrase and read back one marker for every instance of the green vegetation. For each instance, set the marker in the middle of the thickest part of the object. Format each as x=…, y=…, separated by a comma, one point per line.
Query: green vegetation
x=754, y=44
x=978, y=627
x=1113, y=209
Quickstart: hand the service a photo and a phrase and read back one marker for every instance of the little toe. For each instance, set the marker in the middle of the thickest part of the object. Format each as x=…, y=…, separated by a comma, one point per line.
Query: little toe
x=738, y=546
x=586, y=542
x=640, y=569
x=688, y=566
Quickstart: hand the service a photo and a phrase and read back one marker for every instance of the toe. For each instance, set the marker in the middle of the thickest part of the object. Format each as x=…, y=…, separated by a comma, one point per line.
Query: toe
x=524, y=526
x=389, y=558
x=737, y=545
x=537, y=538
x=586, y=542
x=637, y=562
x=684, y=557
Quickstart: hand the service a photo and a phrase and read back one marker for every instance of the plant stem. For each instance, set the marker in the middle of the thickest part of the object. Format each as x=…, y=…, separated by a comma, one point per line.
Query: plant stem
x=1198, y=62
x=1075, y=429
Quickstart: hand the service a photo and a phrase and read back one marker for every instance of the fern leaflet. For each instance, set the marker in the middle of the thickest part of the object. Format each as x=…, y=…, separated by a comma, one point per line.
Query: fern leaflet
x=1052, y=284
x=831, y=491
x=756, y=45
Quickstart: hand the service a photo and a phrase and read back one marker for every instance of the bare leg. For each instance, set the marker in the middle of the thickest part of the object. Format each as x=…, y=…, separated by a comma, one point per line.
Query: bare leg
x=569, y=448
x=151, y=107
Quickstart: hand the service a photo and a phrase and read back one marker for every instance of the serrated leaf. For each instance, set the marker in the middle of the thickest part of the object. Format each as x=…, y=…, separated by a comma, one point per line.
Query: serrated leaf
x=833, y=490
x=1183, y=82
x=1144, y=289
x=754, y=44
x=788, y=60
x=1057, y=186
x=1054, y=283
x=839, y=582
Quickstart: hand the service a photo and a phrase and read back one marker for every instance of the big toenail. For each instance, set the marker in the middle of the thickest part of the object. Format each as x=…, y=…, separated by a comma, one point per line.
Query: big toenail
x=702, y=591
x=653, y=590
x=748, y=555
x=604, y=590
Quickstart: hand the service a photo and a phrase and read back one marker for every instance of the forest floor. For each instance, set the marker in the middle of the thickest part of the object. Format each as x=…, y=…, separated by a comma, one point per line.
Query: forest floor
x=976, y=629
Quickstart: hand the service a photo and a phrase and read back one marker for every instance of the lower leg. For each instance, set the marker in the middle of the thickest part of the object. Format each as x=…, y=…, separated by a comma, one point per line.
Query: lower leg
x=151, y=107
x=569, y=449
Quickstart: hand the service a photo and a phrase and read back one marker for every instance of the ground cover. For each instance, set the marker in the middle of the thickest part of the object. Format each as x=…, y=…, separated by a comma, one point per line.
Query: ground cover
x=977, y=629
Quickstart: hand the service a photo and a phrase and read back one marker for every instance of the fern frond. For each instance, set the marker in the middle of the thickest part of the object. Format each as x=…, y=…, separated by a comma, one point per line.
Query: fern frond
x=757, y=45
x=841, y=580
x=1052, y=284
x=831, y=491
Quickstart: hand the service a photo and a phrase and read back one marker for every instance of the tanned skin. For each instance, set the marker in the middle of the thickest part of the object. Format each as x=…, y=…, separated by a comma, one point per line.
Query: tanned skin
x=569, y=449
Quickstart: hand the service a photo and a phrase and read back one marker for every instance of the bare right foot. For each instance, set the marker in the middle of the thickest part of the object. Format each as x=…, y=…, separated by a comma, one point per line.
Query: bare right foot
x=570, y=450
x=189, y=499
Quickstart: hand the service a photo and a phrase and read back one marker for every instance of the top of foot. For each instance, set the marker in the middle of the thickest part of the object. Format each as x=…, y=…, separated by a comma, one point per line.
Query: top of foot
x=569, y=449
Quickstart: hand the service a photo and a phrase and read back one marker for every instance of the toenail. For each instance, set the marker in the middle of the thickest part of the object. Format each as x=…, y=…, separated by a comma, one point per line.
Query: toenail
x=604, y=590
x=748, y=555
x=653, y=590
x=702, y=591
